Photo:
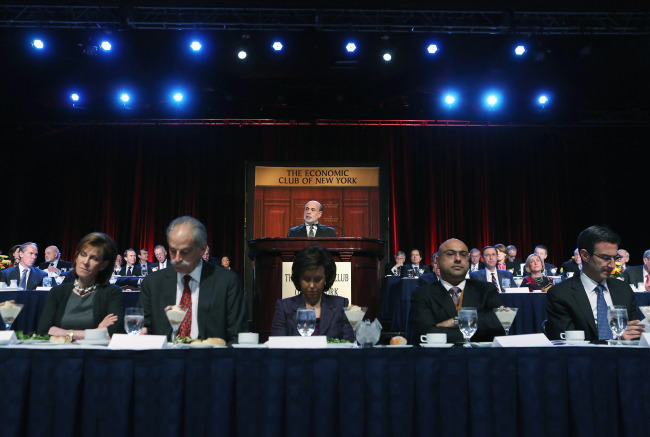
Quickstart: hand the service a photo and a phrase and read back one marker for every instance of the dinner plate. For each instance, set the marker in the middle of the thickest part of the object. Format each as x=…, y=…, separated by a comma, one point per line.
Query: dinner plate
x=481, y=344
x=438, y=345
x=623, y=342
x=577, y=342
x=93, y=342
x=249, y=346
x=202, y=345
x=42, y=343
x=394, y=345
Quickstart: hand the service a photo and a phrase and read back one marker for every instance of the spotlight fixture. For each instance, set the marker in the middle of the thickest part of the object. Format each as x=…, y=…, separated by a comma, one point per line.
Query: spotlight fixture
x=387, y=57
x=178, y=97
x=38, y=44
x=74, y=97
x=242, y=54
x=195, y=45
x=351, y=47
x=277, y=46
x=520, y=50
x=106, y=46
x=449, y=99
x=543, y=100
x=432, y=49
x=492, y=100
x=124, y=97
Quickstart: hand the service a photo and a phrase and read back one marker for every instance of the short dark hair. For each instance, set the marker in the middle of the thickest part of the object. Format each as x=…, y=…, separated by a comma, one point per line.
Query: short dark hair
x=487, y=247
x=414, y=249
x=24, y=246
x=144, y=248
x=130, y=249
x=310, y=258
x=540, y=246
x=596, y=234
x=108, y=249
x=511, y=247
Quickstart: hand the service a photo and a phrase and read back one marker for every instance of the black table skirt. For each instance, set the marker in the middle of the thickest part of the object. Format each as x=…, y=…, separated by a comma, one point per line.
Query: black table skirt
x=556, y=391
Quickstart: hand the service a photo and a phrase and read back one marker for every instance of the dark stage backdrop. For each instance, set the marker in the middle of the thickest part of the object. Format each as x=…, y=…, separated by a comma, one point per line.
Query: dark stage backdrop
x=484, y=185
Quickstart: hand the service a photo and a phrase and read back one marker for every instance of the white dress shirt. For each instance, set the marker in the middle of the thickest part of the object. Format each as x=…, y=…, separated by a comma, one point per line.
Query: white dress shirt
x=590, y=288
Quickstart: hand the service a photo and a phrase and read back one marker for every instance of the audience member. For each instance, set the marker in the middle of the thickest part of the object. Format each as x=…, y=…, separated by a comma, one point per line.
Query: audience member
x=161, y=256
x=581, y=302
x=311, y=228
x=91, y=302
x=475, y=262
x=15, y=253
x=434, y=307
x=131, y=268
x=118, y=264
x=625, y=258
x=542, y=252
x=415, y=265
x=573, y=266
x=536, y=280
x=53, y=262
x=513, y=263
x=490, y=273
x=145, y=265
x=213, y=295
x=502, y=256
x=313, y=273
x=26, y=275
x=635, y=275
x=208, y=258
x=225, y=263
x=429, y=278
x=395, y=267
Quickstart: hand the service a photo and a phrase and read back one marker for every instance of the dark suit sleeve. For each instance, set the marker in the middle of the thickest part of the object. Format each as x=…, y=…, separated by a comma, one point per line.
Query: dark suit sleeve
x=113, y=304
x=425, y=314
x=144, y=301
x=559, y=316
x=279, y=325
x=235, y=308
x=326, y=231
x=488, y=323
x=55, y=298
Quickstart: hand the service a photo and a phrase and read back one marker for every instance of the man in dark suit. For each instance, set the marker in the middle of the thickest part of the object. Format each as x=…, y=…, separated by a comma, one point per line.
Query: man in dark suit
x=434, y=307
x=490, y=272
x=625, y=258
x=311, y=228
x=26, y=275
x=213, y=295
x=53, y=262
x=512, y=262
x=634, y=275
x=130, y=268
x=395, y=268
x=210, y=259
x=145, y=265
x=475, y=262
x=542, y=252
x=415, y=265
x=573, y=266
x=581, y=302
x=161, y=256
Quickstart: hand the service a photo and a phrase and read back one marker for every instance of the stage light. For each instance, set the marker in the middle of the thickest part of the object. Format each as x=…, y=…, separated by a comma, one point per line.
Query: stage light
x=277, y=46
x=492, y=100
x=387, y=57
x=196, y=46
x=543, y=100
x=106, y=46
x=74, y=97
x=124, y=97
x=450, y=99
x=242, y=54
x=178, y=97
x=351, y=47
x=38, y=44
x=520, y=50
x=432, y=49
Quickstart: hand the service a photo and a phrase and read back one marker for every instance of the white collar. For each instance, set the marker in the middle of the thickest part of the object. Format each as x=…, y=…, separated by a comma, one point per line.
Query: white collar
x=448, y=286
x=195, y=274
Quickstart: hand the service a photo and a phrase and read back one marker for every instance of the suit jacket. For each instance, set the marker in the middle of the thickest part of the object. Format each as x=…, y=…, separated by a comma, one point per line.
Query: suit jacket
x=321, y=231
x=481, y=265
x=156, y=266
x=221, y=310
x=515, y=266
x=137, y=271
x=34, y=280
x=107, y=300
x=388, y=270
x=432, y=304
x=333, y=322
x=568, y=308
x=633, y=275
x=60, y=265
x=428, y=278
x=548, y=270
x=480, y=275
x=570, y=266
x=426, y=269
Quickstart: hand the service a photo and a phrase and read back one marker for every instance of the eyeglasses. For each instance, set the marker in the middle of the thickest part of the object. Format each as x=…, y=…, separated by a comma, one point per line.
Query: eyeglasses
x=608, y=258
x=452, y=254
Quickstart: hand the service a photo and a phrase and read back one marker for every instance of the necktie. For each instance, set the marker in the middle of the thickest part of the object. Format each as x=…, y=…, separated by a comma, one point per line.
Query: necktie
x=51, y=264
x=494, y=281
x=455, y=295
x=186, y=302
x=23, y=280
x=129, y=271
x=312, y=233
x=647, y=283
x=604, y=333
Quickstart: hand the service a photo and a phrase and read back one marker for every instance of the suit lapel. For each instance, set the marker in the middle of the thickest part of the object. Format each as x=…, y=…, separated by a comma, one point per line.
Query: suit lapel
x=326, y=314
x=441, y=295
x=579, y=295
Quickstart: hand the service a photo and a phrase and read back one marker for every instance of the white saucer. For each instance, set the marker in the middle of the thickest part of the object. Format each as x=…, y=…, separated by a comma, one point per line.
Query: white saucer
x=93, y=342
x=576, y=342
x=394, y=345
x=438, y=345
x=481, y=344
x=249, y=346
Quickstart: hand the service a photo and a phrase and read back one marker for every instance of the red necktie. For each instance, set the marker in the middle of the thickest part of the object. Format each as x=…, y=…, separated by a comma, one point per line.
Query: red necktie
x=186, y=303
x=494, y=281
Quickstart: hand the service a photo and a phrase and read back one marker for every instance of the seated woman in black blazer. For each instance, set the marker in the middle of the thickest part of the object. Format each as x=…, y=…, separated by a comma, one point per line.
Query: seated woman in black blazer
x=313, y=273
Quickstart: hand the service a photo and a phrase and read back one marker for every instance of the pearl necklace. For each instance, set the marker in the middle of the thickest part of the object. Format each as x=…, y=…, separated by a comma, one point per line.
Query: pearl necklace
x=84, y=291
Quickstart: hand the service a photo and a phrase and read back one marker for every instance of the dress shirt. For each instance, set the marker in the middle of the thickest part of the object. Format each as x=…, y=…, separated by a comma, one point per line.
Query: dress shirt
x=20, y=277
x=590, y=287
x=448, y=286
x=488, y=274
x=194, y=288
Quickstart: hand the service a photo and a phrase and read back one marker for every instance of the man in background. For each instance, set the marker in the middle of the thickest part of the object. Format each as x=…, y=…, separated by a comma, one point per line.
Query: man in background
x=573, y=266
x=395, y=267
x=542, y=252
x=53, y=262
x=130, y=268
x=161, y=257
x=490, y=272
x=26, y=275
x=475, y=262
x=311, y=228
x=635, y=275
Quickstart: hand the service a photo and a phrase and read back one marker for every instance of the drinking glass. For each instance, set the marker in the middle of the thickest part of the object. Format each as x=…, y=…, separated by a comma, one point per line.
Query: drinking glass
x=468, y=323
x=47, y=281
x=9, y=311
x=59, y=280
x=175, y=315
x=306, y=321
x=617, y=316
x=519, y=280
x=505, y=283
x=506, y=316
x=133, y=320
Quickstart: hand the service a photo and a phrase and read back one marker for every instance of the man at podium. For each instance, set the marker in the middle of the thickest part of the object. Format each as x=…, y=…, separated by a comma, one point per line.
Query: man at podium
x=311, y=228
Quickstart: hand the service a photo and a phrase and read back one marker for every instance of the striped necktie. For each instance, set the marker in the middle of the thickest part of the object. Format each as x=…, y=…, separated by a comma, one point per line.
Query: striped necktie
x=604, y=333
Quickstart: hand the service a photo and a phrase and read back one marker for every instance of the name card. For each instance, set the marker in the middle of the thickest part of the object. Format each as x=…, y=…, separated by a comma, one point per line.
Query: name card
x=526, y=340
x=517, y=290
x=645, y=339
x=139, y=342
x=8, y=337
x=293, y=342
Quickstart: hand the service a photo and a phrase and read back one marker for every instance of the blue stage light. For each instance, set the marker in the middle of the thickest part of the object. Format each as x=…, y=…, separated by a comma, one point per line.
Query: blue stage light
x=277, y=46
x=542, y=100
x=387, y=57
x=196, y=46
x=124, y=97
x=450, y=99
x=74, y=97
x=242, y=54
x=38, y=44
x=492, y=100
x=106, y=46
x=432, y=49
x=178, y=97
x=351, y=47
x=520, y=50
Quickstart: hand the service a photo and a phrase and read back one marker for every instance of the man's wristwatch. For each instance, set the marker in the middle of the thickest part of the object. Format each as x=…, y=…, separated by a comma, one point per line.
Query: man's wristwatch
x=455, y=322
x=68, y=337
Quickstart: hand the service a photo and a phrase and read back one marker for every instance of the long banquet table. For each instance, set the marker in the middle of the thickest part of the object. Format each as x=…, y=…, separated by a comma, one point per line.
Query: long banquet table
x=558, y=391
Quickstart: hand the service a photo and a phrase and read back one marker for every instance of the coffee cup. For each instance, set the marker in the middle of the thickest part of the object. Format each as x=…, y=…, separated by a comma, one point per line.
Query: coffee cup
x=95, y=334
x=47, y=282
x=409, y=273
x=569, y=274
x=248, y=338
x=434, y=338
x=640, y=286
x=570, y=336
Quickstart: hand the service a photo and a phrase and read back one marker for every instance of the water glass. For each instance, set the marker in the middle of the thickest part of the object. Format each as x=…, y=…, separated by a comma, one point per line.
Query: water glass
x=47, y=281
x=306, y=321
x=467, y=322
x=505, y=283
x=617, y=317
x=133, y=320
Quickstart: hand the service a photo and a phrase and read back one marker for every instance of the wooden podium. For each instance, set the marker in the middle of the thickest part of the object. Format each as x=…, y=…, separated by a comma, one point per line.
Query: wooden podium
x=268, y=254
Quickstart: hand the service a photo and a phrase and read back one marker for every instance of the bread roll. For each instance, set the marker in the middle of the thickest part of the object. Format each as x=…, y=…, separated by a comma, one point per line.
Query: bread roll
x=397, y=341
